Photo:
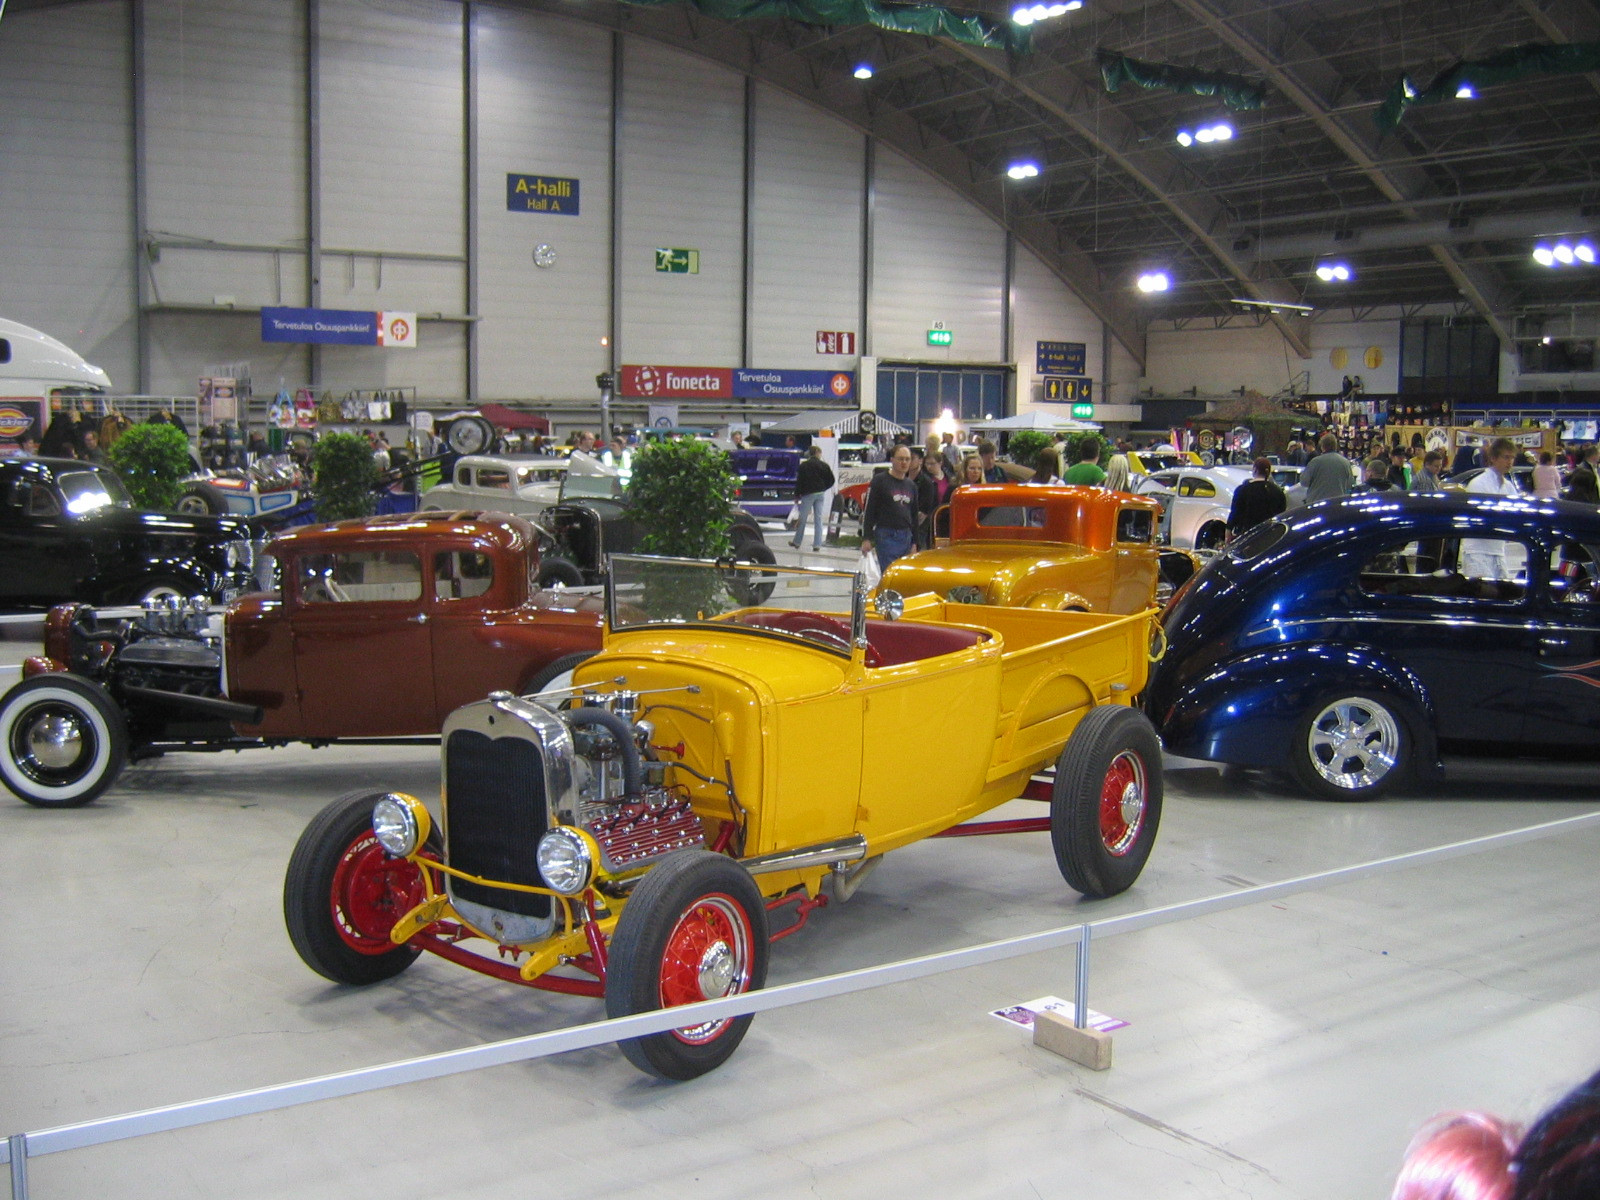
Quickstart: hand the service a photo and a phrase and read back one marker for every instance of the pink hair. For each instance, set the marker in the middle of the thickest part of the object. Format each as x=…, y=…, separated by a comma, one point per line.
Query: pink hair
x=1459, y=1156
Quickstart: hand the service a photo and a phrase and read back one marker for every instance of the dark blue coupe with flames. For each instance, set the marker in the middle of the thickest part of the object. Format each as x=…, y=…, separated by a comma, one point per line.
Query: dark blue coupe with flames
x=1353, y=642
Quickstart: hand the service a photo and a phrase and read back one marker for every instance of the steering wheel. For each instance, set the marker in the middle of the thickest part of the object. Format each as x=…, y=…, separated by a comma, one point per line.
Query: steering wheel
x=832, y=638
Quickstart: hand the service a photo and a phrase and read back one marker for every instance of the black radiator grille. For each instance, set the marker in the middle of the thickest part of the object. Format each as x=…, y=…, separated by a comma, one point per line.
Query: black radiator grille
x=495, y=813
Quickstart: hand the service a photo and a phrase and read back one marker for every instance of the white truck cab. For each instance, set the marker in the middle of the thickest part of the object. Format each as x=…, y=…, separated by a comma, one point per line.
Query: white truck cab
x=36, y=366
x=36, y=369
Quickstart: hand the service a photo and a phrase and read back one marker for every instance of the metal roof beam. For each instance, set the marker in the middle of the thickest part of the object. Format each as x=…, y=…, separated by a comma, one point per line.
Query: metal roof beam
x=1250, y=29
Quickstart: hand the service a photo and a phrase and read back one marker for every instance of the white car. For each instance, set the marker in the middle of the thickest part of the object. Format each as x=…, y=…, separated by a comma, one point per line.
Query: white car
x=1196, y=501
x=513, y=483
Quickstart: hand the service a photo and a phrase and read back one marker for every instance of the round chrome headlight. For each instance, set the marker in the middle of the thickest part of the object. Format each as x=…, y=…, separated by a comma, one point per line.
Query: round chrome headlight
x=565, y=860
x=965, y=594
x=400, y=823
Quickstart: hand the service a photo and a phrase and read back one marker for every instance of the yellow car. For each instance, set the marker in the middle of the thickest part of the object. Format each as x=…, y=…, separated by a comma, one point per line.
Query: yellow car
x=1077, y=549
x=749, y=742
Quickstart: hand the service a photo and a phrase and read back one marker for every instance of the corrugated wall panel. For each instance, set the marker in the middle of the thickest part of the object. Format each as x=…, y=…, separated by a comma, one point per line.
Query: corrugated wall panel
x=683, y=185
x=1045, y=310
x=544, y=108
x=224, y=147
x=806, y=214
x=393, y=129
x=66, y=211
x=935, y=258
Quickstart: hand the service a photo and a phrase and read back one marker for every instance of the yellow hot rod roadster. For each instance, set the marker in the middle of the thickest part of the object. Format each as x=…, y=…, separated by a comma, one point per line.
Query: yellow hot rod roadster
x=749, y=741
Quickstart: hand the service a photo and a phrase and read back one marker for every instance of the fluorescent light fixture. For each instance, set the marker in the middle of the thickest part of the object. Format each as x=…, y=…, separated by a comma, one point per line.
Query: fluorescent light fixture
x=1272, y=306
x=1544, y=256
x=1206, y=134
x=1563, y=253
x=1583, y=252
x=1032, y=14
x=863, y=71
x=1334, y=272
x=1154, y=281
x=1465, y=92
x=1023, y=169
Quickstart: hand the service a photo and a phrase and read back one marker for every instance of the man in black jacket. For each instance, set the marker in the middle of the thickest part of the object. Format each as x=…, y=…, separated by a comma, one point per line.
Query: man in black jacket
x=1255, y=501
x=811, y=484
x=1583, y=484
x=889, y=518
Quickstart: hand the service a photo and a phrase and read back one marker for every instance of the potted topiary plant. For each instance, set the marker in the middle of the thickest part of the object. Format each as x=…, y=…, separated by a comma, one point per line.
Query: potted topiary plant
x=152, y=461
x=681, y=493
x=343, y=476
x=1024, y=446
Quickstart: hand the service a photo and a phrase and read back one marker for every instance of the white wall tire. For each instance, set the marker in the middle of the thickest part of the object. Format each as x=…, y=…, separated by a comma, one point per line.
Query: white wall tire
x=63, y=741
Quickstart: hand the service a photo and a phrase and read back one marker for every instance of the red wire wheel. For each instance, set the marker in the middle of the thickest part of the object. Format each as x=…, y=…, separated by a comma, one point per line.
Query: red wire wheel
x=342, y=894
x=1122, y=804
x=694, y=929
x=707, y=956
x=1106, y=804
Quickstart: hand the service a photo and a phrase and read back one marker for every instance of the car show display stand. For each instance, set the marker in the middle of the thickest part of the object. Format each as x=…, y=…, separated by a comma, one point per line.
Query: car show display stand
x=1057, y=1034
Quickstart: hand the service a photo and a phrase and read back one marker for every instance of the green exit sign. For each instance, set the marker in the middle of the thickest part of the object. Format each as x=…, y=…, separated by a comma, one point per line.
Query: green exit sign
x=940, y=337
x=678, y=262
x=1083, y=412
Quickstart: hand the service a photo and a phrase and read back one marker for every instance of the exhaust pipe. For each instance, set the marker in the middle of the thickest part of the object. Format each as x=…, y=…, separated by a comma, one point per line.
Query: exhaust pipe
x=851, y=848
x=200, y=706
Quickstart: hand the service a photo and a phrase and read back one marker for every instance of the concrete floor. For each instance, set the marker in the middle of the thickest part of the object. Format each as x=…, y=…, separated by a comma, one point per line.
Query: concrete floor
x=1282, y=1051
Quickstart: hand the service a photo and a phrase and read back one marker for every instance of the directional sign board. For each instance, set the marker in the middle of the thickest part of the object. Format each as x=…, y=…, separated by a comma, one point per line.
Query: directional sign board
x=678, y=262
x=1066, y=389
x=1060, y=358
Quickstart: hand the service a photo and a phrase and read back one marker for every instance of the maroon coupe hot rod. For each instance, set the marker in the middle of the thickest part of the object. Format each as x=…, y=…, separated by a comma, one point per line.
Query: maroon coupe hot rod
x=380, y=629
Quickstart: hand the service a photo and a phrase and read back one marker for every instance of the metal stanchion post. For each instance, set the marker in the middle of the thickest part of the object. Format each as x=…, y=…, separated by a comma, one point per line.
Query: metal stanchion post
x=1080, y=997
x=17, y=1144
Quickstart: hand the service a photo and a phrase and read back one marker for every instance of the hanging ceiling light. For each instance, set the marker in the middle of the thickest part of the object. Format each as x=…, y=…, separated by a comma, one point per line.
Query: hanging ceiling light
x=1023, y=169
x=1335, y=272
x=1154, y=281
x=1465, y=92
x=1220, y=132
x=1032, y=15
x=863, y=71
x=1563, y=254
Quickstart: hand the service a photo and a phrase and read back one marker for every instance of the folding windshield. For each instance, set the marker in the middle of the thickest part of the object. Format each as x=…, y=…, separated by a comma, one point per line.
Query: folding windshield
x=819, y=607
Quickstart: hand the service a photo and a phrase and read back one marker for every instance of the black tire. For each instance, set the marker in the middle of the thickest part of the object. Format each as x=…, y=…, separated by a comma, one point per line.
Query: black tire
x=558, y=572
x=1353, y=745
x=63, y=740
x=693, y=902
x=338, y=866
x=201, y=498
x=470, y=435
x=1211, y=537
x=745, y=528
x=1106, y=806
x=755, y=587
x=561, y=666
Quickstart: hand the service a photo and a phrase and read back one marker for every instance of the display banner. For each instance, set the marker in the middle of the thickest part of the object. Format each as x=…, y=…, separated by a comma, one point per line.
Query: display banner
x=1060, y=358
x=724, y=383
x=793, y=385
x=542, y=194
x=20, y=417
x=339, y=327
x=676, y=383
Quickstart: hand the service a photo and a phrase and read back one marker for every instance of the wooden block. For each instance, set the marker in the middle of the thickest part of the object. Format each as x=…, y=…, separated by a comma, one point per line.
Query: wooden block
x=1059, y=1035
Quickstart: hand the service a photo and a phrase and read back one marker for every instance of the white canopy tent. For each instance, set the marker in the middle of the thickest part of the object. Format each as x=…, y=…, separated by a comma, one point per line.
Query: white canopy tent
x=841, y=421
x=1035, y=419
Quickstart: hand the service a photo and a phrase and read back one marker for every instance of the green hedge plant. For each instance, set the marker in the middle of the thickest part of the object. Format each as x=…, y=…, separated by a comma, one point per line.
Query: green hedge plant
x=1024, y=446
x=153, y=461
x=343, y=476
x=682, y=494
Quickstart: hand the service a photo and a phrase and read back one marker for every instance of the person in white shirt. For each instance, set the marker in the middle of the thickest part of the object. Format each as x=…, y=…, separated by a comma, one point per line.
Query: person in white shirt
x=1481, y=558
